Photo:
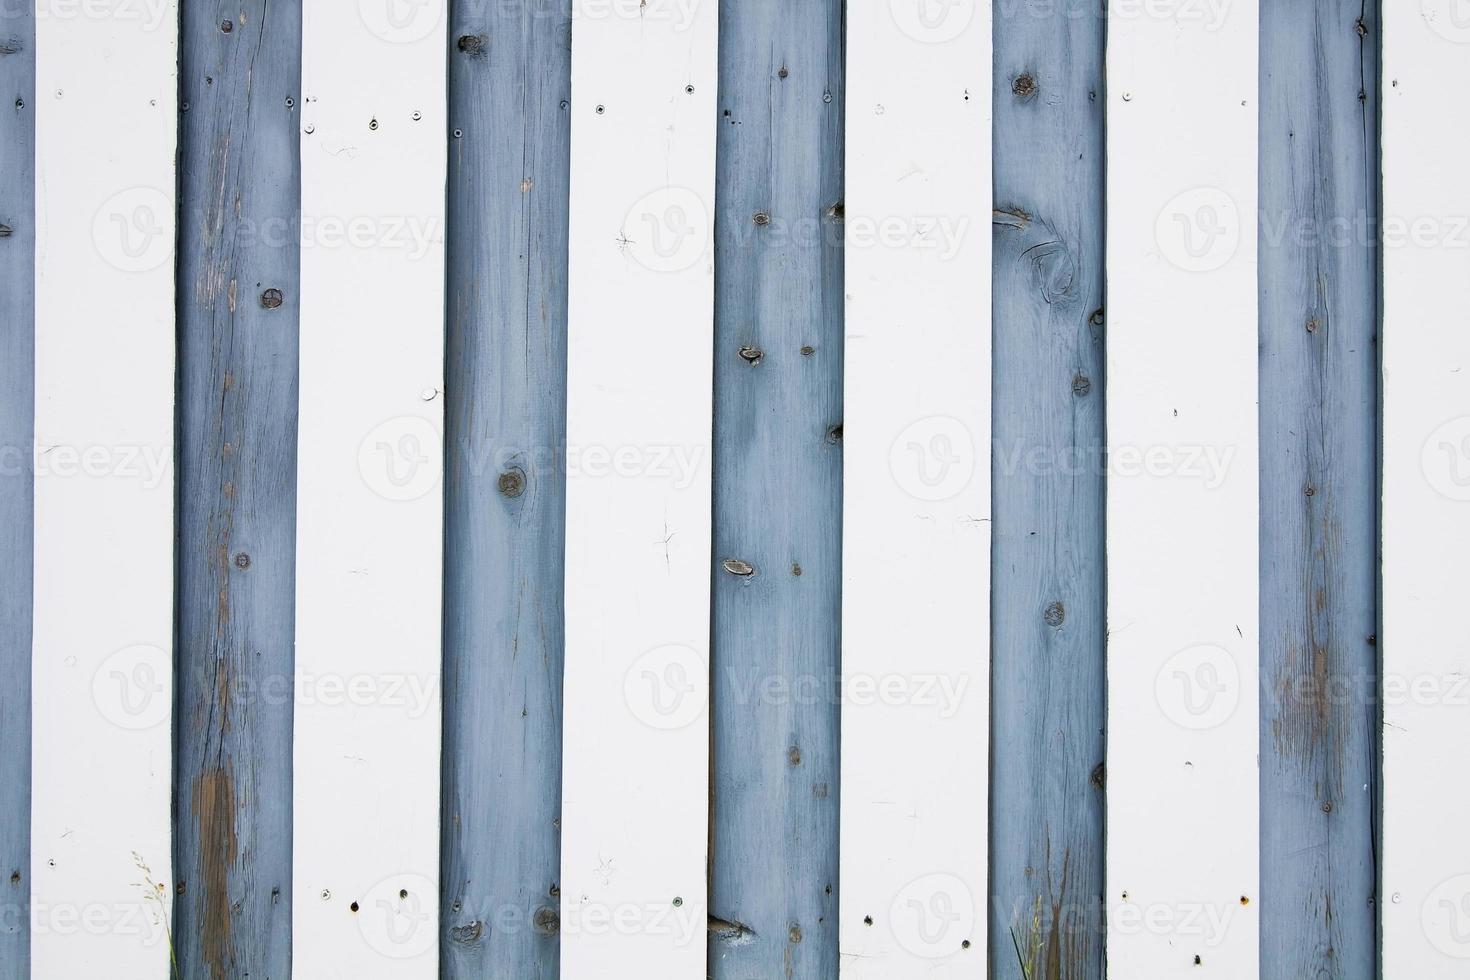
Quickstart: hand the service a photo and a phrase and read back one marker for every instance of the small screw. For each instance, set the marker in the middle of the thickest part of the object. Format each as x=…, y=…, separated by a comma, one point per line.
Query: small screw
x=783, y=73
x=459, y=134
x=689, y=89
x=290, y=102
x=242, y=561
x=737, y=567
x=417, y=116
x=762, y=218
x=1081, y=386
x=372, y=124
x=227, y=26
x=826, y=96
x=601, y=109
x=272, y=299
x=326, y=895
x=678, y=902
x=752, y=355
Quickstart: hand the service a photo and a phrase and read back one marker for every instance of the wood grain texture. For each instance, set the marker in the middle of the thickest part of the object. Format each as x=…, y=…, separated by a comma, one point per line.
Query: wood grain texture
x=17, y=388
x=239, y=290
x=1425, y=915
x=778, y=491
x=1319, y=459
x=505, y=426
x=1048, y=573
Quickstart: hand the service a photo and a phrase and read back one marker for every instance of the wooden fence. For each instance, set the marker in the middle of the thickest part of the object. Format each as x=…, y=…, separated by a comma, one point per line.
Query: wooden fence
x=595, y=571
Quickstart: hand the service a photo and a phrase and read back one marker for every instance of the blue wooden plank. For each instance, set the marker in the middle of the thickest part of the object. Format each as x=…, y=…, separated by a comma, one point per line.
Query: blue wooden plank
x=505, y=426
x=778, y=491
x=1319, y=358
x=1047, y=593
x=238, y=288
x=17, y=387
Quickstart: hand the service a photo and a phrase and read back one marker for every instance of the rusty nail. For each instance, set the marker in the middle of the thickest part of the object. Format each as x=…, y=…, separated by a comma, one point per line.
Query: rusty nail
x=512, y=483
x=472, y=44
x=737, y=567
x=793, y=755
x=808, y=350
x=1081, y=386
x=242, y=561
x=227, y=26
x=783, y=73
x=795, y=934
x=1024, y=86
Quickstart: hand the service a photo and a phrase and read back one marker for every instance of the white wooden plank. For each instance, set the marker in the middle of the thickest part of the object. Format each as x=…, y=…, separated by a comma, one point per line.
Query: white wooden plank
x=916, y=511
x=369, y=522
x=1426, y=490
x=641, y=309
x=106, y=80
x=1183, y=572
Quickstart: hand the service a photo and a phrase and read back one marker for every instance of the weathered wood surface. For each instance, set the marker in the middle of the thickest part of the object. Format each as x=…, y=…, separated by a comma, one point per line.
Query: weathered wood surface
x=778, y=491
x=505, y=429
x=17, y=321
x=1319, y=457
x=1048, y=574
x=239, y=279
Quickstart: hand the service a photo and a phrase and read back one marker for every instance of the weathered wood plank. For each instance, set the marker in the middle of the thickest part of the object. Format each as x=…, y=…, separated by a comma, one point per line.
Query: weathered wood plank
x=1183, y=493
x=778, y=491
x=916, y=507
x=369, y=554
x=1319, y=458
x=101, y=879
x=1426, y=490
x=1046, y=843
x=238, y=300
x=505, y=426
x=639, y=408
x=17, y=390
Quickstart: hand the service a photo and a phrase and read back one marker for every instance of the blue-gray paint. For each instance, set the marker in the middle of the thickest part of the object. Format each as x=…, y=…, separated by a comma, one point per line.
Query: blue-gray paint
x=509, y=173
x=778, y=491
x=17, y=385
x=1048, y=560
x=777, y=494
x=1319, y=453
x=239, y=195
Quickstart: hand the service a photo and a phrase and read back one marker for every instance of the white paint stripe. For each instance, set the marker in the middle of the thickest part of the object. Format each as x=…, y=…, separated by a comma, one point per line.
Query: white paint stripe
x=1183, y=567
x=635, y=808
x=105, y=148
x=916, y=531
x=1426, y=490
x=369, y=532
